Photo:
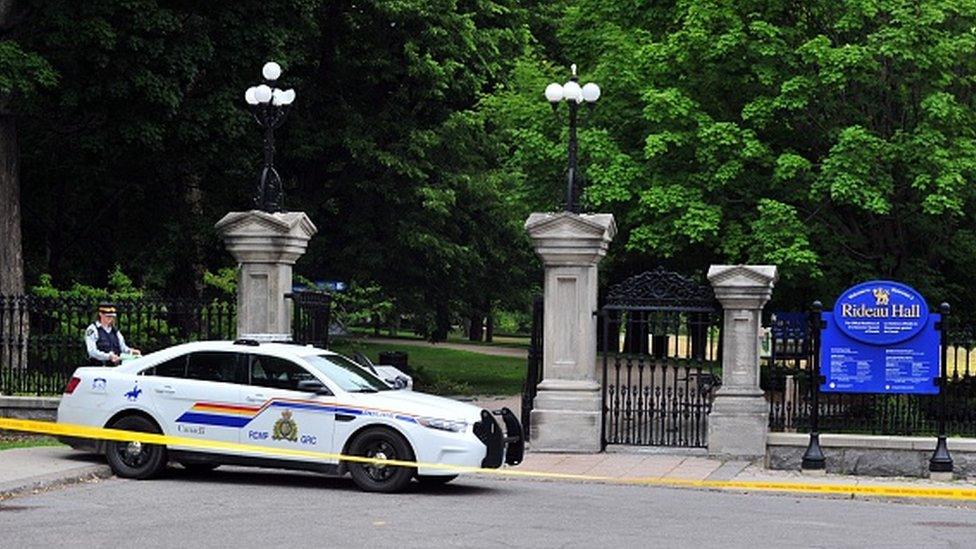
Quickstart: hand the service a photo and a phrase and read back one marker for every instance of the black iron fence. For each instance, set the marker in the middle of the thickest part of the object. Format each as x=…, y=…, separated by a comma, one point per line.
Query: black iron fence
x=533, y=373
x=787, y=382
x=42, y=339
x=312, y=317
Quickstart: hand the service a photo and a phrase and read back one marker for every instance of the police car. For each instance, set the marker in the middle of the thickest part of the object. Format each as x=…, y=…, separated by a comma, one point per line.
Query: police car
x=281, y=396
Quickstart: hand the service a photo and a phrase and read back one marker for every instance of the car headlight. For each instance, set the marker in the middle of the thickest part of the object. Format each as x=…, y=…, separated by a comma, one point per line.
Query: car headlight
x=443, y=424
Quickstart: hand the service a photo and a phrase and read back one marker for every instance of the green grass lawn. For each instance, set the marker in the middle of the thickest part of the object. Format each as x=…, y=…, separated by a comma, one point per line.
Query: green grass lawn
x=446, y=371
x=25, y=441
x=498, y=340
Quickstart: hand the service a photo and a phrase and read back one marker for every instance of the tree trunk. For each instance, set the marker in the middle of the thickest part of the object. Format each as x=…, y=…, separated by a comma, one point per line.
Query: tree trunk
x=193, y=197
x=394, y=325
x=11, y=243
x=14, y=330
x=442, y=323
x=489, y=328
x=477, y=326
x=11, y=250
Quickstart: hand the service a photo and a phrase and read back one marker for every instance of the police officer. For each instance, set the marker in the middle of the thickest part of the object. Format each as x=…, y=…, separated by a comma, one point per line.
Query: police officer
x=104, y=341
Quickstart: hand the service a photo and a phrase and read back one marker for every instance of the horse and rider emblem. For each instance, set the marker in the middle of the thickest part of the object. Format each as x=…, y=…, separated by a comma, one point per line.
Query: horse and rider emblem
x=285, y=428
x=881, y=297
x=134, y=393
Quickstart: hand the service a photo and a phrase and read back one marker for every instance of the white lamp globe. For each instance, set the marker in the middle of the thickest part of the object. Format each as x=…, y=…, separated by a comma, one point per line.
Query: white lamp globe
x=262, y=93
x=572, y=91
x=591, y=92
x=271, y=70
x=250, y=97
x=554, y=93
x=287, y=97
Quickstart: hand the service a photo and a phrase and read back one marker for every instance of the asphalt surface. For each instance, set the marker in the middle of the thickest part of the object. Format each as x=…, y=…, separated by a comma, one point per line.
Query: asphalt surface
x=259, y=508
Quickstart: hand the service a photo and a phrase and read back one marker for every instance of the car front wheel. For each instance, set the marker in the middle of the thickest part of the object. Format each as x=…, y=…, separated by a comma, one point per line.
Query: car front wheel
x=381, y=443
x=135, y=459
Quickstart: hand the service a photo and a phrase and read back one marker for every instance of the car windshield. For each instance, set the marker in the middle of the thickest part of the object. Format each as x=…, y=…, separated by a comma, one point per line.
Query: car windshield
x=347, y=374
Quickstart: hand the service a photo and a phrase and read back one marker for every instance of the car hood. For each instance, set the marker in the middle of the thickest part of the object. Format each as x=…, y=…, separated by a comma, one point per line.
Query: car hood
x=421, y=404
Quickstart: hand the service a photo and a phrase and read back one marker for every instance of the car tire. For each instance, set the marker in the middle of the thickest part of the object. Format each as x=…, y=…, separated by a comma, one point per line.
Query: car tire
x=386, y=444
x=432, y=481
x=134, y=459
x=199, y=467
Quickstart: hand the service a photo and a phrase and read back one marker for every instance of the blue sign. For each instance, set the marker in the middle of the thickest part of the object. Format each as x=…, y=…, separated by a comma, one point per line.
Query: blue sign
x=331, y=285
x=880, y=338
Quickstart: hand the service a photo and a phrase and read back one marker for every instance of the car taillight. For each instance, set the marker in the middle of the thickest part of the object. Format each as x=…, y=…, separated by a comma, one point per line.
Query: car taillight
x=72, y=384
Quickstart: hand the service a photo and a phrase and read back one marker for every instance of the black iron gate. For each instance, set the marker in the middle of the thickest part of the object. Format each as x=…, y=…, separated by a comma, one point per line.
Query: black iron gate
x=311, y=318
x=660, y=347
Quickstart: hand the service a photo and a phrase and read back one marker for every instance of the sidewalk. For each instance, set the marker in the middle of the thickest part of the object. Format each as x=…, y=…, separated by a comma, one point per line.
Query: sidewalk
x=664, y=466
x=38, y=468
x=27, y=469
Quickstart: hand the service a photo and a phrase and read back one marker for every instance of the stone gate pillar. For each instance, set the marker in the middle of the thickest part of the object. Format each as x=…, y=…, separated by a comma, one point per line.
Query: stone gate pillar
x=265, y=245
x=567, y=414
x=739, y=421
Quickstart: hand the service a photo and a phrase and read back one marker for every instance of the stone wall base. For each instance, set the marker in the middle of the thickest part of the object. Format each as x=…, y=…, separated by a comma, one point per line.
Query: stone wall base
x=878, y=456
x=564, y=431
x=737, y=426
x=566, y=421
x=19, y=407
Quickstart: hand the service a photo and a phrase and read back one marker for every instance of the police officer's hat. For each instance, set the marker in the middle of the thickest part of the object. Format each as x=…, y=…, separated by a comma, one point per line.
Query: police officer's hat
x=106, y=308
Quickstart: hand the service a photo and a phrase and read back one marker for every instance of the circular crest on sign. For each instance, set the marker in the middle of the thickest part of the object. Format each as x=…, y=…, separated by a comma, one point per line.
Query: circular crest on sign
x=881, y=312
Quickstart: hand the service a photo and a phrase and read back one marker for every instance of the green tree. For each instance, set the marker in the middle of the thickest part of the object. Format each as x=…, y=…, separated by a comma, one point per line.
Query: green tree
x=22, y=73
x=145, y=142
x=835, y=140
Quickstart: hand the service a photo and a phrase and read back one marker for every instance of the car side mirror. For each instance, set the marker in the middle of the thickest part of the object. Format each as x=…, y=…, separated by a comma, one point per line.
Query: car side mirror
x=313, y=386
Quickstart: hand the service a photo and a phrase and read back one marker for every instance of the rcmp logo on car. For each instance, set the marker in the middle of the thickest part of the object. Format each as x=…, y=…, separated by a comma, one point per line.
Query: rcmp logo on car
x=285, y=428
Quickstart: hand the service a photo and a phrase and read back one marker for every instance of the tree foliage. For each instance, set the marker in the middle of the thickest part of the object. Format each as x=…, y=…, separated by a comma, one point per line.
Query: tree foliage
x=145, y=142
x=833, y=139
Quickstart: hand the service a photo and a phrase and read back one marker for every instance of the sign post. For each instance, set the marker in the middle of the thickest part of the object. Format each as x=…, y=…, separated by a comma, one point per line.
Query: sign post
x=879, y=338
x=813, y=458
x=941, y=461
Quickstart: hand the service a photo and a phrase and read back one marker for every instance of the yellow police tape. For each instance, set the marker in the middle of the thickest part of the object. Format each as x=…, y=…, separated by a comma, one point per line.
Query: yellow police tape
x=890, y=491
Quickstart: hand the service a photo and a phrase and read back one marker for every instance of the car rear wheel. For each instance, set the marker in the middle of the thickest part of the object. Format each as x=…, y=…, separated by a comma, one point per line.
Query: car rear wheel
x=435, y=480
x=135, y=459
x=381, y=443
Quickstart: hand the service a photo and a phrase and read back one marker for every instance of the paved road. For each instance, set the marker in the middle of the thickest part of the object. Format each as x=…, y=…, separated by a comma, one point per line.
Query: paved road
x=254, y=508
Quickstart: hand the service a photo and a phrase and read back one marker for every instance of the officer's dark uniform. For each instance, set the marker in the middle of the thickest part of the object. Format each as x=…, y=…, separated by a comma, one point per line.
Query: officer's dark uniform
x=100, y=342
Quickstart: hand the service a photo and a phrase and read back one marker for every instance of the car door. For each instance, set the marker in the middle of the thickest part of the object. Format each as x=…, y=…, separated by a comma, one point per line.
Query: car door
x=198, y=395
x=291, y=416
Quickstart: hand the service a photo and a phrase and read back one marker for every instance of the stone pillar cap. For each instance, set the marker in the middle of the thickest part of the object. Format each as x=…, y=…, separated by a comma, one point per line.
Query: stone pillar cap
x=742, y=275
x=260, y=222
x=571, y=224
x=743, y=286
x=566, y=238
x=262, y=237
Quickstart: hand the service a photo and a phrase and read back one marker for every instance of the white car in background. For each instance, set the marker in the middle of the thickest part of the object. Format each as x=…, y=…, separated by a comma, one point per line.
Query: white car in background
x=276, y=395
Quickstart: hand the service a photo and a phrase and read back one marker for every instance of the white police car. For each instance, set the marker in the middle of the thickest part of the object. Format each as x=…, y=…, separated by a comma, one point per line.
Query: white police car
x=277, y=395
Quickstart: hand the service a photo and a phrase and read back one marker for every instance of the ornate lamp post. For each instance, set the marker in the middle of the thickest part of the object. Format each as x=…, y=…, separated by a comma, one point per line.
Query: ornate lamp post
x=269, y=105
x=573, y=95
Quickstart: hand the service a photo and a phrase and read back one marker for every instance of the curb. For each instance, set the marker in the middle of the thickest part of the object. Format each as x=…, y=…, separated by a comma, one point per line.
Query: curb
x=41, y=483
